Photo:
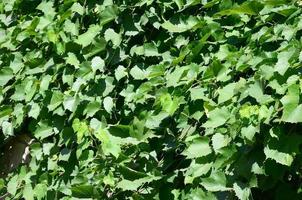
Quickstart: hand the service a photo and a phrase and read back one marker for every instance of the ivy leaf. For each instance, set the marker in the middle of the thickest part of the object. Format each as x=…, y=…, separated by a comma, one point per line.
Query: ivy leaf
x=242, y=192
x=82, y=191
x=43, y=131
x=110, y=144
x=199, y=147
x=291, y=109
x=97, y=63
x=6, y=74
x=182, y=25
x=39, y=191
x=115, y=38
x=56, y=100
x=7, y=128
x=108, y=104
x=86, y=38
x=92, y=108
x=72, y=60
x=283, y=61
x=137, y=73
x=216, y=182
x=120, y=72
x=217, y=117
x=226, y=93
x=279, y=157
x=28, y=192
x=12, y=185
x=169, y=104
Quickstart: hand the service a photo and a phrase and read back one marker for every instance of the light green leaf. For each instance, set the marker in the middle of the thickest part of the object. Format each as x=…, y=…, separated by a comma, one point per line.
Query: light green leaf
x=279, y=157
x=199, y=147
x=249, y=132
x=97, y=63
x=71, y=103
x=216, y=182
x=182, y=25
x=217, y=117
x=76, y=7
x=219, y=141
x=120, y=72
x=169, y=104
x=115, y=38
x=72, y=60
x=56, y=100
x=291, y=110
x=108, y=104
x=92, y=108
x=196, y=170
x=80, y=128
x=283, y=61
x=150, y=49
x=28, y=192
x=137, y=73
x=39, y=191
x=226, y=93
x=243, y=193
x=43, y=131
x=7, y=129
x=12, y=185
x=110, y=144
x=6, y=74
x=86, y=38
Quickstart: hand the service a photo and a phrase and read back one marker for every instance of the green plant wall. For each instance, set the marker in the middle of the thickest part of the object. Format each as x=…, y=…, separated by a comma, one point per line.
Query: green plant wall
x=153, y=99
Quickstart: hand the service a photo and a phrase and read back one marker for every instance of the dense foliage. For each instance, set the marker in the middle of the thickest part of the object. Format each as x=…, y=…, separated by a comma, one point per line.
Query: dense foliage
x=153, y=99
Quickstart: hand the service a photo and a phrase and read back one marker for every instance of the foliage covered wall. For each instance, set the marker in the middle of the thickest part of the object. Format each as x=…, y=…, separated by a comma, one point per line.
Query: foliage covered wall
x=153, y=99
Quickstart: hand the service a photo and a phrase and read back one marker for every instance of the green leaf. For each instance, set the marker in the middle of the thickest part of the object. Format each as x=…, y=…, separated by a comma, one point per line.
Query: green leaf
x=115, y=38
x=76, y=7
x=135, y=184
x=137, y=73
x=72, y=60
x=291, y=109
x=43, y=131
x=87, y=38
x=7, y=129
x=242, y=192
x=182, y=25
x=283, y=61
x=169, y=104
x=219, y=141
x=83, y=191
x=279, y=157
x=6, y=74
x=199, y=147
x=12, y=185
x=28, y=192
x=108, y=14
x=217, y=117
x=216, y=182
x=39, y=191
x=56, y=100
x=248, y=8
x=92, y=108
x=120, y=72
x=80, y=128
x=110, y=144
x=108, y=104
x=226, y=93
x=196, y=170
x=2, y=184
x=34, y=111
x=97, y=63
